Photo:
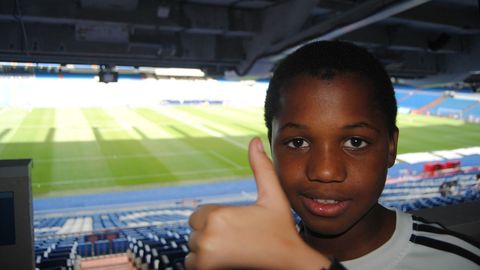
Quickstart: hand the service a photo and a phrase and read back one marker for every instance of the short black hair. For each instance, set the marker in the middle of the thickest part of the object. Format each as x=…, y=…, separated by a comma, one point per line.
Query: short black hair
x=324, y=59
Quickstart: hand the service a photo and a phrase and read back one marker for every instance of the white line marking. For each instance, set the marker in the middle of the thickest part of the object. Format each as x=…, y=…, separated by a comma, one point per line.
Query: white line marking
x=229, y=161
x=92, y=158
x=188, y=120
x=131, y=177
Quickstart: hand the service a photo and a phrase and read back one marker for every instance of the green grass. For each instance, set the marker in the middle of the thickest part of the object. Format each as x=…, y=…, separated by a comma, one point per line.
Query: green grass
x=419, y=133
x=87, y=150
x=83, y=150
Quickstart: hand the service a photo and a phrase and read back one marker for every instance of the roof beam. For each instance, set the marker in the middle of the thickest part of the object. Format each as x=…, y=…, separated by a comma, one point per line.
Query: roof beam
x=460, y=20
x=404, y=38
x=221, y=19
x=358, y=17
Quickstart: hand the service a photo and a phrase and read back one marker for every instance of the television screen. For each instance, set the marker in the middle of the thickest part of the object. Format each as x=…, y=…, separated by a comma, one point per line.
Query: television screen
x=7, y=217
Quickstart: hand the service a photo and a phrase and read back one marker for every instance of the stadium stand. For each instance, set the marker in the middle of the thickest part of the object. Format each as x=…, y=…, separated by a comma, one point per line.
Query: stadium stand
x=452, y=107
x=401, y=95
x=155, y=236
x=440, y=103
x=414, y=100
x=443, y=103
x=473, y=113
x=411, y=195
x=148, y=229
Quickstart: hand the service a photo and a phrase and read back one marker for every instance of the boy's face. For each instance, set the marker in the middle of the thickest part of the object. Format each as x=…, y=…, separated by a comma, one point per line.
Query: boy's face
x=331, y=150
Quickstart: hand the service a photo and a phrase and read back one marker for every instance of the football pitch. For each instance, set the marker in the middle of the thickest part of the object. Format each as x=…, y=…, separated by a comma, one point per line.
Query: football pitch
x=102, y=149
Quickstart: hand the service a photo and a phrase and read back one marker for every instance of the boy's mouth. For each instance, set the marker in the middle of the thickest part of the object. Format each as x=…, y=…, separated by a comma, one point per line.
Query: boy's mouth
x=325, y=207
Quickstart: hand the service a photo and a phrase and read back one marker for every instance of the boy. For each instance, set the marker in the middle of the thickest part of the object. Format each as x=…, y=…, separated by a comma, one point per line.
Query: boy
x=330, y=112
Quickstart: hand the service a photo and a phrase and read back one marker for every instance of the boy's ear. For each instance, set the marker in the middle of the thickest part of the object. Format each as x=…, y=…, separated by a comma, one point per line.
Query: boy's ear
x=392, y=147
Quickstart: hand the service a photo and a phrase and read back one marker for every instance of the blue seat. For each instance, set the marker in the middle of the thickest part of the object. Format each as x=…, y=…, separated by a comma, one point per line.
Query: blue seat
x=85, y=249
x=102, y=247
x=119, y=245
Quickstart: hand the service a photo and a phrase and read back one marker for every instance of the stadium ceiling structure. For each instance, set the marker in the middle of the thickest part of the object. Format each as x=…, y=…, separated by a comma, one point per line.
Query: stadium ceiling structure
x=420, y=42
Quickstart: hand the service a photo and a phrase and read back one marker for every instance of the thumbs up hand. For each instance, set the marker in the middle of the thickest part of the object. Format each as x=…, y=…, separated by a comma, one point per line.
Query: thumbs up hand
x=261, y=235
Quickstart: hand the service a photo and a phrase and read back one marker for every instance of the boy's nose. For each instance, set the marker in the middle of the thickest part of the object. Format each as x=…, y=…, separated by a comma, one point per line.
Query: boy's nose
x=326, y=165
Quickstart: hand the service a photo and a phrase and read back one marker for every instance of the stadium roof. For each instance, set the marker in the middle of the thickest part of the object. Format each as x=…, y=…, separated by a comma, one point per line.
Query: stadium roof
x=421, y=42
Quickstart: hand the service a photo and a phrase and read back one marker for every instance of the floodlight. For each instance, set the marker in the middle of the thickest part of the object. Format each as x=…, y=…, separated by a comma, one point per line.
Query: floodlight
x=107, y=76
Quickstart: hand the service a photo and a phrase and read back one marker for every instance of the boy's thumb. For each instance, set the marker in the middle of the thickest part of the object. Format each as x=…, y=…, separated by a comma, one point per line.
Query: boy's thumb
x=269, y=190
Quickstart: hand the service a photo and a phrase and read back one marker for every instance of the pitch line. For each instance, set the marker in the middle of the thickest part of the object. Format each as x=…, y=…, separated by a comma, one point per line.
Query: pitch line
x=131, y=177
x=227, y=160
x=185, y=119
x=153, y=155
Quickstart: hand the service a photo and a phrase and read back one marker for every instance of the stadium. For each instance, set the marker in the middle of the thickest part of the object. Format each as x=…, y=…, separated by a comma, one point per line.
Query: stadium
x=119, y=118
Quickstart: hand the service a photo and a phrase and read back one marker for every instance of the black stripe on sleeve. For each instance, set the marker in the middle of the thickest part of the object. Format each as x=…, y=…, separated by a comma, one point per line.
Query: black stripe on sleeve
x=417, y=218
x=428, y=227
x=447, y=247
x=433, y=229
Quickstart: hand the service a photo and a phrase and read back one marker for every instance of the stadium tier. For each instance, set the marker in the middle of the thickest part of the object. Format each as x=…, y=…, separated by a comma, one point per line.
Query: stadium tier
x=148, y=248
x=444, y=104
x=452, y=107
x=415, y=99
x=401, y=95
x=155, y=235
x=473, y=113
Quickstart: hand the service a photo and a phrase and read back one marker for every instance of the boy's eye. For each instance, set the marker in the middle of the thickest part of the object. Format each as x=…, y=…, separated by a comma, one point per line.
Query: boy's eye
x=355, y=143
x=297, y=143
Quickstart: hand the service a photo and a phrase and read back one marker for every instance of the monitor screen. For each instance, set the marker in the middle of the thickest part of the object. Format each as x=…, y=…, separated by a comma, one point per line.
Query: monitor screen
x=7, y=216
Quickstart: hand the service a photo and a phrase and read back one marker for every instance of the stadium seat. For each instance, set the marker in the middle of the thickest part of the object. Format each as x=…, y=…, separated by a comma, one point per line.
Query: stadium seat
x=85, y=249
x=119, y=245
x=102, y=247
x=162, y=243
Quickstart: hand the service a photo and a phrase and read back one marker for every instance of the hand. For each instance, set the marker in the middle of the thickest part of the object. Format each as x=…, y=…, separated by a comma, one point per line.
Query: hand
x=262, y=235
